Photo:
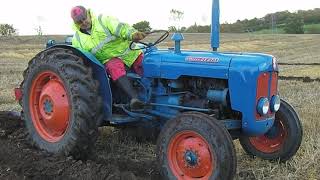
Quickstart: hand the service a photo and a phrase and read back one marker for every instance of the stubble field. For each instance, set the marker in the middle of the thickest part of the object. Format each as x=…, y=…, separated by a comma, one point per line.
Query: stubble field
x=122, y=157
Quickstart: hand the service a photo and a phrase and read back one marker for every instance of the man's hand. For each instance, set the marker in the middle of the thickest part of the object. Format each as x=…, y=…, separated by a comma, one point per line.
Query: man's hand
x=138, y=36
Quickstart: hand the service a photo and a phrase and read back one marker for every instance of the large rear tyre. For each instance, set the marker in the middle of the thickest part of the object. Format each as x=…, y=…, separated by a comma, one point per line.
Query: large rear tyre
x=282, y=141
x=195, y=146
x=61, y=104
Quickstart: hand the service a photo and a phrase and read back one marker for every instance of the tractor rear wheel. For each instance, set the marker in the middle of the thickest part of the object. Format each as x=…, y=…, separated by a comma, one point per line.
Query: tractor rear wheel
x=282, y=141
x=195, y=146
x=61, y=103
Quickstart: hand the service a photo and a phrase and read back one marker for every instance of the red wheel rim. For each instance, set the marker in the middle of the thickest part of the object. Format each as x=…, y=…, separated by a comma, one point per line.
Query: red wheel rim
x=190, y=156
x=273, y=140
x=49, y=106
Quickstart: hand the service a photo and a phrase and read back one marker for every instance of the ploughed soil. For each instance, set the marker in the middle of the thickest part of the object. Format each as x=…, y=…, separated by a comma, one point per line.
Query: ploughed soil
x=114, y=158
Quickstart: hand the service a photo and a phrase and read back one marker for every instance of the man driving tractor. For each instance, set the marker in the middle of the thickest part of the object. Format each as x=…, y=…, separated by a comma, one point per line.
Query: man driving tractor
x=109, y=40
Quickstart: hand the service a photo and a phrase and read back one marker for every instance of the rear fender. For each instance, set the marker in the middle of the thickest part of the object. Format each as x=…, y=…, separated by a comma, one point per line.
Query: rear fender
x=99, y=74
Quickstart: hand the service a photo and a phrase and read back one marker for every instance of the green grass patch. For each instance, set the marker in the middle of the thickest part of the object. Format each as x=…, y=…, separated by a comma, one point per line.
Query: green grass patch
x=270, y=31
x=308, y=29
x=312, y=29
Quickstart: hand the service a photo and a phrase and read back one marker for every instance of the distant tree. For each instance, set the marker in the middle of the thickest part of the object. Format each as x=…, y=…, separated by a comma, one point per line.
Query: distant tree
x=183, y=29
x=143, y=26
x=39, y=31
x=280, y=19
x=294, y=24
x=204, y=29
x=7, y=30
x=172, y=29
x=176, y=16
x=193, y=28
x=282, y=16
x=310, y=16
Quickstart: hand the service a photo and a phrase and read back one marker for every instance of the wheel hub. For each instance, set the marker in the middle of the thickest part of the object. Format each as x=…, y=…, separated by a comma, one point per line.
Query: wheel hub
x=49, y=106
x=190, y=156
x=54, y=104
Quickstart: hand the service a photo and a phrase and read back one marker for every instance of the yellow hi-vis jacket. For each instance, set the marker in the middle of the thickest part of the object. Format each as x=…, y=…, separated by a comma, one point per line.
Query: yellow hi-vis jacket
x=109, y=38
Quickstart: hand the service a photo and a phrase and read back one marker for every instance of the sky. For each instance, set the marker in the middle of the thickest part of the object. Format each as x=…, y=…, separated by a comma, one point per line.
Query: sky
x=54, y=15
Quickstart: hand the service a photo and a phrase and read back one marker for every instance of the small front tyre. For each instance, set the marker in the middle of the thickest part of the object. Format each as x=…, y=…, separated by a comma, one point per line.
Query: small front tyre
x=195, y=146
x=282, y=141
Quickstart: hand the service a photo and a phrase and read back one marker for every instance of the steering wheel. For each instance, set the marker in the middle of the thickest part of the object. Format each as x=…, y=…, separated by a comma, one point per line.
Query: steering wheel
x=148, y=45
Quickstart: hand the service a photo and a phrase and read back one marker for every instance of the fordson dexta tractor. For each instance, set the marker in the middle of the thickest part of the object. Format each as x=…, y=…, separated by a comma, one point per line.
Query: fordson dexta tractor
x=199, y=101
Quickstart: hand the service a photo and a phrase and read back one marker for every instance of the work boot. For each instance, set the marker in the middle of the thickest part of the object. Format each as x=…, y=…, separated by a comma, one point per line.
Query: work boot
x=125, y=84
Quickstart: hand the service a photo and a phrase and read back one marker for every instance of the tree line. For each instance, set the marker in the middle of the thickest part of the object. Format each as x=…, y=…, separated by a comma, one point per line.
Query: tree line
x=289, y=22
x=292, y=23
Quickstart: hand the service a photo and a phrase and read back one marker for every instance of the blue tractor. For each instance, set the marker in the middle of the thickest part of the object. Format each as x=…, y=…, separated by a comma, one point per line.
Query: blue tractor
x=198, y=102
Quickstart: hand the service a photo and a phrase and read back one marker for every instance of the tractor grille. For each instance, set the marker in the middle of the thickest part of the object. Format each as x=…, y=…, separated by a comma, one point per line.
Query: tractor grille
x=267, y=86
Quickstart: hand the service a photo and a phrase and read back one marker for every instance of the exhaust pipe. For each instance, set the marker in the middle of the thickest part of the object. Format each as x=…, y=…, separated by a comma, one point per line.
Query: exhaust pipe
x=215, y=25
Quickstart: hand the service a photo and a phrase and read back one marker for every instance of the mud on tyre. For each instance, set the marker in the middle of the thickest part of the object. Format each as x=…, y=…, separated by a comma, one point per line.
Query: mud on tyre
x=195, y=146
x=61, y=103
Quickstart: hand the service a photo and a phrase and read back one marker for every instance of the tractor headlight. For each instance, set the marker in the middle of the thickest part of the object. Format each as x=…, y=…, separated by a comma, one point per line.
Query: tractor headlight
x=263, y=106
x=274, y=64
x=275, y=103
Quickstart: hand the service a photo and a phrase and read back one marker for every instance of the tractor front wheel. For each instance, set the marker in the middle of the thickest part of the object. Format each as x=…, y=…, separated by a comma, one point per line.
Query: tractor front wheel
x=282, y=141
x=61, y=103
x=195, y=146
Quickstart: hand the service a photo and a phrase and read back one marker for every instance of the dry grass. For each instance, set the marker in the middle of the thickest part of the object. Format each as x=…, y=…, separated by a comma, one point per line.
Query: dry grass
x=305, y=97
x=301, y=71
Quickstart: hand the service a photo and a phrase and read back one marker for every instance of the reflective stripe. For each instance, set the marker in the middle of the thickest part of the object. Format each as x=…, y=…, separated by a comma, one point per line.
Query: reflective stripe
x=106, y=30
x=78, y=39
x=117, y=33
x=102, y=43
x=106, y=40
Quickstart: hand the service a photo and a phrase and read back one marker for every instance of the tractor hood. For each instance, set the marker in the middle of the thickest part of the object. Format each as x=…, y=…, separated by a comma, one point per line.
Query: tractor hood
x=170, y=65
x=254, y=61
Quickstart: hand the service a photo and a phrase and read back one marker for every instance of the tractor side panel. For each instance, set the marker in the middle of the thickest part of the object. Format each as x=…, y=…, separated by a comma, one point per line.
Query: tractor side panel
x=100, y=75
x=151, y=65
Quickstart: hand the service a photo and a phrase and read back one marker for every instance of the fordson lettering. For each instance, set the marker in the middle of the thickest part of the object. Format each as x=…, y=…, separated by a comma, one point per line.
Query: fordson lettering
x=202, y=59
